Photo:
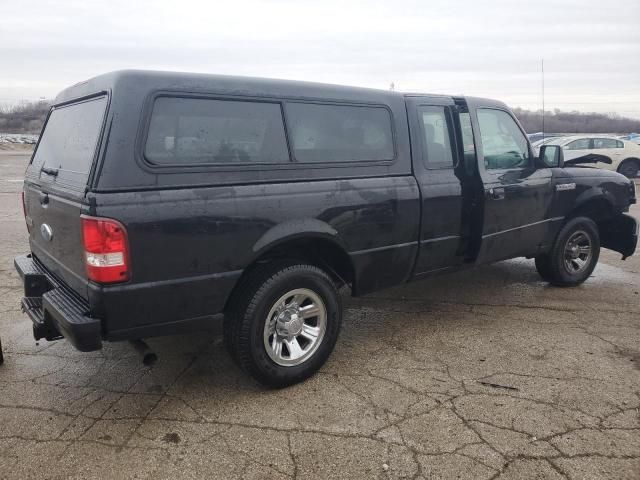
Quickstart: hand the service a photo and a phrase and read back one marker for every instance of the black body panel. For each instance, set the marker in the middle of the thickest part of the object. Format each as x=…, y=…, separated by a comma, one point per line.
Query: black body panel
x=189, y=247
x=62, y=253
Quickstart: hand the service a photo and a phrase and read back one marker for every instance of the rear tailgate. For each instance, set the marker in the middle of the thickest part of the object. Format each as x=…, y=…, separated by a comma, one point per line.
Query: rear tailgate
x=55, y=188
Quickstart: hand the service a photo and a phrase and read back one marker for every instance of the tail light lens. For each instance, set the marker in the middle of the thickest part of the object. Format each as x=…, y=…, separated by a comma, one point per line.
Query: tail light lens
x=106, y=250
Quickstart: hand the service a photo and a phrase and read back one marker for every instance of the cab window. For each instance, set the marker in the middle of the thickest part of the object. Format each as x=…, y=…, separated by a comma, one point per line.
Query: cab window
x=503, y=143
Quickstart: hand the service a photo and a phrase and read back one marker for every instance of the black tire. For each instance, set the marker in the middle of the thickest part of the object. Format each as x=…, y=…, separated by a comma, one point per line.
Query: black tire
x=250, y=306
x=556, y=266
x=629, y=168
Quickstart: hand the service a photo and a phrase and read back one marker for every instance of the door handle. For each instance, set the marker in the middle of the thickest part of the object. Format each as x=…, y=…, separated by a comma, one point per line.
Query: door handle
x=44, y=198
x=496, y=193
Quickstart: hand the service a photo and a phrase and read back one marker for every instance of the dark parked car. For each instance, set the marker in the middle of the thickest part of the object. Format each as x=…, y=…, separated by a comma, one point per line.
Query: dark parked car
x=156, y=202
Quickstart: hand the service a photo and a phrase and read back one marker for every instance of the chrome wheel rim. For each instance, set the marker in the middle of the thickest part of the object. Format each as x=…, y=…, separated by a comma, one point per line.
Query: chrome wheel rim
x=578, y=252
x=295, y=327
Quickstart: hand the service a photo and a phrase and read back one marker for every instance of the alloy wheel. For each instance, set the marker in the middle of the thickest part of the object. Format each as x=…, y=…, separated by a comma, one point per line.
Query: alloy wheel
x=295, y=327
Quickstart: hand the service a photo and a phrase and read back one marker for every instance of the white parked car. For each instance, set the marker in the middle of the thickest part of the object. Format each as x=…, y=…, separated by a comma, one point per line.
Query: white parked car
x=625, y=155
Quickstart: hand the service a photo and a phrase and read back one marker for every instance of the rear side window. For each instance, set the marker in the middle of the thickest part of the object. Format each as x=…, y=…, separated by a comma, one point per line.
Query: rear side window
x=437, y=143
x=606, y=143
x=68, y=143
x=339, y=133
x=468, y=142
x=206, y=131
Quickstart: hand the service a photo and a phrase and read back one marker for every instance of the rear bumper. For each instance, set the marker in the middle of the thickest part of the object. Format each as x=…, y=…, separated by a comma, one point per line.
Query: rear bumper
x=54, y=309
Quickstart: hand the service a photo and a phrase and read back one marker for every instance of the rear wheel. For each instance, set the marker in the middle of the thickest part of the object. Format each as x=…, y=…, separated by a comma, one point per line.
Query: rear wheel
x=574, y=254
x=284, y=322
x=629, y=168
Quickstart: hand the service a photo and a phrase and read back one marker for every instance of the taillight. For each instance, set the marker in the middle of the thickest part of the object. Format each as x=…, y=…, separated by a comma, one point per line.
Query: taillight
x=106, y=250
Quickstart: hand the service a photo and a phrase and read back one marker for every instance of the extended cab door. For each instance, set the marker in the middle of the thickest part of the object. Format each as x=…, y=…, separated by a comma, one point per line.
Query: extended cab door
x=517, y=195
x=438, y=166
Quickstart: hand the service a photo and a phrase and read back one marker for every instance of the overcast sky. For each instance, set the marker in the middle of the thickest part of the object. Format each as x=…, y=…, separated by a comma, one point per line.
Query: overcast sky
x=591, y=49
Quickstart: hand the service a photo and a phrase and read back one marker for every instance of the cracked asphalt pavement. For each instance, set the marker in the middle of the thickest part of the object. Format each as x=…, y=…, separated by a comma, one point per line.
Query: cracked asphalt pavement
x=489, y=373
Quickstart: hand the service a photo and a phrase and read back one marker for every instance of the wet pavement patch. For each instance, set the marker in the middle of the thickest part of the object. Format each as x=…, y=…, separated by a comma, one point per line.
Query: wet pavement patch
x=171, y=438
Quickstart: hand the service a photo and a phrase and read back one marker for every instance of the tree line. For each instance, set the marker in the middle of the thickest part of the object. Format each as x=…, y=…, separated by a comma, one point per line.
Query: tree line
x=28, y=117
x=558, y=121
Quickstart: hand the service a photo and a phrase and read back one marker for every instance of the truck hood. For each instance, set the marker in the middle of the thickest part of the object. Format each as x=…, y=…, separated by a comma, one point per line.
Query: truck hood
x=588, y=171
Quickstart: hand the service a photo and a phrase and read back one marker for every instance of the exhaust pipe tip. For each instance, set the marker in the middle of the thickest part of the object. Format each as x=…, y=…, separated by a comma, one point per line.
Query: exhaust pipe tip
x=149, y=358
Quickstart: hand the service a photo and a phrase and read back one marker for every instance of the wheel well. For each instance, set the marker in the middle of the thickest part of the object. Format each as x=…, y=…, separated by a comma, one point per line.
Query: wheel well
x=320, y=252
x=629, y=159
x=599, y=210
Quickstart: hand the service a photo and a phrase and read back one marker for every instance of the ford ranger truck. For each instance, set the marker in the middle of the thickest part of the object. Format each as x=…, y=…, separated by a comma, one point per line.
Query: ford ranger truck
x=160, y=203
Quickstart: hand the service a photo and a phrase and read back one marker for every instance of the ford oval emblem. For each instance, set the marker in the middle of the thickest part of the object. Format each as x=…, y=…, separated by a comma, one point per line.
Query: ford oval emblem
x=46, y=231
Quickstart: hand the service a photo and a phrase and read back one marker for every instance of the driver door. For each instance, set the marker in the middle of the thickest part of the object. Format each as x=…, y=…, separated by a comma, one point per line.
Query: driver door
x=517, y=195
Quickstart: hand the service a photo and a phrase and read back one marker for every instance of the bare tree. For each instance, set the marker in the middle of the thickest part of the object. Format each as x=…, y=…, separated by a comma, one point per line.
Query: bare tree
x=576, y=122
x=27, y=117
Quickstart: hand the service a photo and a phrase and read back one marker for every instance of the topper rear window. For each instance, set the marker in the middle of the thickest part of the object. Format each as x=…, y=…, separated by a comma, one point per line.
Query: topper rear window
x=68, y=143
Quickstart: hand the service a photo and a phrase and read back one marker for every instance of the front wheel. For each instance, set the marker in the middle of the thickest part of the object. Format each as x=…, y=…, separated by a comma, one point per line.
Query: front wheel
x=284, y=322
x=574, y=254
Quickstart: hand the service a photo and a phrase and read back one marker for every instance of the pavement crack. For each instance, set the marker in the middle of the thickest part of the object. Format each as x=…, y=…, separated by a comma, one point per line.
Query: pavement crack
x=497, y=385
x=292, y=455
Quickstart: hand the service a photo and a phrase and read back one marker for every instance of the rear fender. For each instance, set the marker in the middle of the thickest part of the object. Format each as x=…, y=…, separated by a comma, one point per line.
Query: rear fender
x=295, y=229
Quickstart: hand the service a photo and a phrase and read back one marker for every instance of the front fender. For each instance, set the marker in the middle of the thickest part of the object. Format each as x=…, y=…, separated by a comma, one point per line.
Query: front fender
x=597, y=193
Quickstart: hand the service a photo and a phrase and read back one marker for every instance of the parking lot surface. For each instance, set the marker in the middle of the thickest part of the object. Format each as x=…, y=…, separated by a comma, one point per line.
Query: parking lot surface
x=488, y=373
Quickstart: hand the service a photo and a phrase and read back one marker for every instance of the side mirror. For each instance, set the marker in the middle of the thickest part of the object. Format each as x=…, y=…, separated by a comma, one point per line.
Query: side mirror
x=551, y=156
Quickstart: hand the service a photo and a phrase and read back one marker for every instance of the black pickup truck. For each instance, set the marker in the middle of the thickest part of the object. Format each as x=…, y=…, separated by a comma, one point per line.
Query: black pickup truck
x=156, y=202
